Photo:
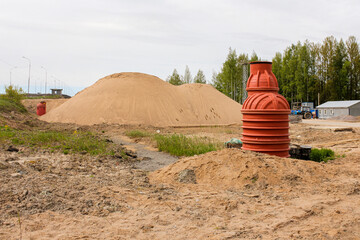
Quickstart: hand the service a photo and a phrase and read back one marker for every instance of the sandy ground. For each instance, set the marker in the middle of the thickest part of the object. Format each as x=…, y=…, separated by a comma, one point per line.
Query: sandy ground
x=237, y=194
x=330, y=123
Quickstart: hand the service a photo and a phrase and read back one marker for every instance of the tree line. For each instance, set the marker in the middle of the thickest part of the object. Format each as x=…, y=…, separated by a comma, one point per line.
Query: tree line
x=306, y=72
x=327, y=71
x=176, y=79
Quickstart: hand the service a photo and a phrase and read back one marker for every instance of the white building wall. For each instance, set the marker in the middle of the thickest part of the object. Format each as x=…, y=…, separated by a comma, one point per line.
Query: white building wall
x=325, y=113
x=355, y=110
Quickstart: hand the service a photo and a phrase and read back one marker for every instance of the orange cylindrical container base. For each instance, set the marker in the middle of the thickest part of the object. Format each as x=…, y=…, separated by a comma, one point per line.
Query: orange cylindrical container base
x=266, y=133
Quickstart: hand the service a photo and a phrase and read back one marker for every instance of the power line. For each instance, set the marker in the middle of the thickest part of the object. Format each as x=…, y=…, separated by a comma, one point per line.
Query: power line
x=7, y=63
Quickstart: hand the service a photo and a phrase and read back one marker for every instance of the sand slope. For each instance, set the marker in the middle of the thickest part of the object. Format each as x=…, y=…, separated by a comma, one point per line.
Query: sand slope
x=136, y=98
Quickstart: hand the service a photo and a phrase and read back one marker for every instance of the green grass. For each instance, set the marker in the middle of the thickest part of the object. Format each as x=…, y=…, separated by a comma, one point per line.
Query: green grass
x=7, y=105
x=180, y=145
x=322, y=155
x=11, y=100
x=77, y=142
x=43, y=97
x=137, y=134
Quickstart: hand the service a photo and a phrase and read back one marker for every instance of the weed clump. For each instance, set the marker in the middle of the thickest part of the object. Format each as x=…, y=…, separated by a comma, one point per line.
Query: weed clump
x=180, y=145
x=137, y=134
x=322, y=155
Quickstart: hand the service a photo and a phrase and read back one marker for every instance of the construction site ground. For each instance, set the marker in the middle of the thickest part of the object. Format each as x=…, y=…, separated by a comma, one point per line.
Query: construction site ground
x=235, y=194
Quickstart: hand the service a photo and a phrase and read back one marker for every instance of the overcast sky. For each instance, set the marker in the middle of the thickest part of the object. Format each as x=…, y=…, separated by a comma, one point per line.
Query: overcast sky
x=80, y=41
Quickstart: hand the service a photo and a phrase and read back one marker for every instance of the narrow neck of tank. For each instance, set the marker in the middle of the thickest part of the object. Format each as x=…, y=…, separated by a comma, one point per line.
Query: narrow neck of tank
x=256, y=67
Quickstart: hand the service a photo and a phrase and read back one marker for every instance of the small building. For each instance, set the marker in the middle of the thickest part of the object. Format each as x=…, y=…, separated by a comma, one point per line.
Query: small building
x=56, y=91
x=339, y=108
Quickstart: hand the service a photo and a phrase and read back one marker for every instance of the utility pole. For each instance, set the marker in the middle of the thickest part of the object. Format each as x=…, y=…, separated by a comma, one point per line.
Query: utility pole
x=244, y=81
x=29, y=74
x=45, y=77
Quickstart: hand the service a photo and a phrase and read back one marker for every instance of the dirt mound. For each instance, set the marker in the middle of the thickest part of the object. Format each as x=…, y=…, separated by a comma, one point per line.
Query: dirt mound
x=57, y=182
x=30, y=104
x=136, y=98
x=236, y=168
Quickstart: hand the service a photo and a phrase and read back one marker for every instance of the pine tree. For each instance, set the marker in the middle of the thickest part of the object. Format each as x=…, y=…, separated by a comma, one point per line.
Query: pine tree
x=254, y=57
x=200, y=77
x=353, y=55
x=340, y=67
x=187, y=75
x=174, y=79
x=230, y=75
x=217, y=82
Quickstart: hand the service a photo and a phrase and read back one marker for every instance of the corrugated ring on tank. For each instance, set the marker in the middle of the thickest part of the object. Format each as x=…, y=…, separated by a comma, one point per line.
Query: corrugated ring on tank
x=266, y=124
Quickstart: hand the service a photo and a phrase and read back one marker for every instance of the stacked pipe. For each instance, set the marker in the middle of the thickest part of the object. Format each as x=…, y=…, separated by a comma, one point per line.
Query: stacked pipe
x=265, y=113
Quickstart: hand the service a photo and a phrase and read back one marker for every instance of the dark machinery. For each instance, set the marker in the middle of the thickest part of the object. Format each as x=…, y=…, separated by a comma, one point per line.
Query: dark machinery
x=305, y=109
x=300, y=151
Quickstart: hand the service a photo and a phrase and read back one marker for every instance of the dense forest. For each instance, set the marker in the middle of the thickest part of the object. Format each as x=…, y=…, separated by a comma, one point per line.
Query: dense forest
x=307, y=71
x=329, y=70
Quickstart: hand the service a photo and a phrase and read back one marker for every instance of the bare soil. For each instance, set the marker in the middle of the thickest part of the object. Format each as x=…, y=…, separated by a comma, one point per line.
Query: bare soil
x=237, y=194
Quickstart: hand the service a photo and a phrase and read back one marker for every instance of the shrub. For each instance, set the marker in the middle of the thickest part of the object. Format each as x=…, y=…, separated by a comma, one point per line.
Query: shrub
x=14, y=94
x=11, y=100
x=322, y=155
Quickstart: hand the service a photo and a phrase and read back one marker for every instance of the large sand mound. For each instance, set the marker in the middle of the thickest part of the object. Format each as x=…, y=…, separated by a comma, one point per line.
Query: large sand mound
x=234, y=168
x=136, y=98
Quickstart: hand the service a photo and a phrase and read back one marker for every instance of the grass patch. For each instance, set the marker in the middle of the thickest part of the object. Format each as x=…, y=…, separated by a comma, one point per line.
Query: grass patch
x=322, y=155
x=7, y=105
x=137, y=134
x=77, y=142
x=180, y=145
x=44, y=97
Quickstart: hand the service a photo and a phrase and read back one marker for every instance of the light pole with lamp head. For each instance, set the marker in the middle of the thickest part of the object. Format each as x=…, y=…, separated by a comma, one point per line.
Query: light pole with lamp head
x=29, y=74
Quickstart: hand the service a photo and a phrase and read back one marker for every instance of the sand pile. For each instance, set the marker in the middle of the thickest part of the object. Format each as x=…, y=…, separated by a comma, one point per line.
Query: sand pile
x=234, y=168
x=136, y=98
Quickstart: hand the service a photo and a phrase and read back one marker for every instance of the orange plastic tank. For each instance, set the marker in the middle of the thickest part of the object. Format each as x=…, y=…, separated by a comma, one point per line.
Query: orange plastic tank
x=265, y=113
x=41, y=108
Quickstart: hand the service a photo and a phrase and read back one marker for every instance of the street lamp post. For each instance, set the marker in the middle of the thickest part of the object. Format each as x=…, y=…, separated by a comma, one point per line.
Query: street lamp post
x=29, y=74
x=11, y=71
x=45, y=77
